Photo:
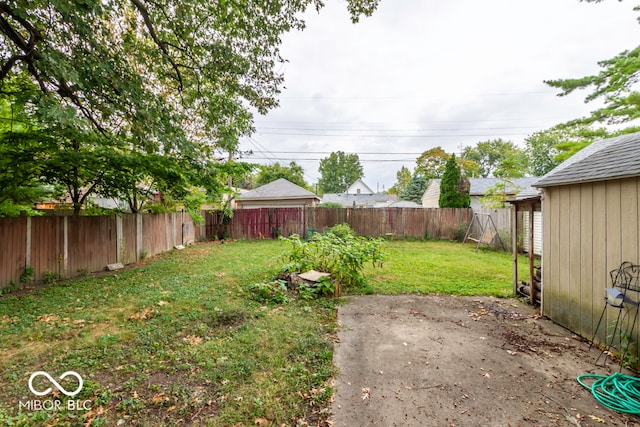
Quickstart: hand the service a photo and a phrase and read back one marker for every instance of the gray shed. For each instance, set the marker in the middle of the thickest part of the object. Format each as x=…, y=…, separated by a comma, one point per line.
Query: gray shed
x=591, y=224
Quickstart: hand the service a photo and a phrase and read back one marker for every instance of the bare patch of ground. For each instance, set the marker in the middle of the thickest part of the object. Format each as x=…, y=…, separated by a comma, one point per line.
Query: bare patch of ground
x=461, y=361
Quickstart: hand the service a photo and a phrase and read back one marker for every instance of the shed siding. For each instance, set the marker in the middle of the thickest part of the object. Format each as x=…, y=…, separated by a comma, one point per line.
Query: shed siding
x=586, y=256
x=537, y=232
x=589, y=229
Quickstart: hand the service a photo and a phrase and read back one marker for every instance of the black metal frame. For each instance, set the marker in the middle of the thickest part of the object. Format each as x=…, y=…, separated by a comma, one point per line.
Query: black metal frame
x=624, y=279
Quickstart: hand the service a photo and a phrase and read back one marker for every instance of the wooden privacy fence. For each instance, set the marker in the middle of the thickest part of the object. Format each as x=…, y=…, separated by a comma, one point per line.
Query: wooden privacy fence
x=65, y=246
x=374, y=222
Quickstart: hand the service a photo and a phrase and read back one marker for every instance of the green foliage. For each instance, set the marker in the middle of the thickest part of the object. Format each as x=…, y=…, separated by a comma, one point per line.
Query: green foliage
x=415, y=190
x=292, y=173
x=27, y=275
x=129, y=98
x=497, y=195
x=331, y=205
x=342, y=231
x=454, y=190
x=496, y=158
x=403, y=178
x=274, y=292
x=339, y=171
x=344, y=257
x=431, y=163
x=547, y=149
x=324, y=287
x=616, y=85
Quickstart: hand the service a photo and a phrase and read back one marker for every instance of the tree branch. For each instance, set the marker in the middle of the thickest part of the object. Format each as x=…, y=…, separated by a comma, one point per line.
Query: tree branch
x=154, y=36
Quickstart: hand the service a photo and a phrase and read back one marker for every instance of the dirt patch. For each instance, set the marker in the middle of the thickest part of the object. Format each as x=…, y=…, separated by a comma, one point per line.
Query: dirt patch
x=461, y=361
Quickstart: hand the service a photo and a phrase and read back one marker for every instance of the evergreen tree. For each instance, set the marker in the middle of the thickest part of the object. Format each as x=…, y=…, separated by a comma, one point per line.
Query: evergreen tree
x=454, y=190
x=416, y=188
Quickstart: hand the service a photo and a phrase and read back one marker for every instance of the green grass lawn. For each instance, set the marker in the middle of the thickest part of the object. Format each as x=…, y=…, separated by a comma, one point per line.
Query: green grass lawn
x=179, y=340
x=439, y=267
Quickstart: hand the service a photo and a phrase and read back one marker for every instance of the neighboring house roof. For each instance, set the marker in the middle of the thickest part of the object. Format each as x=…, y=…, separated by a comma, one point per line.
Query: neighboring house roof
x=359, y=185
x=613, y=158
x=480, y=186
x=278, y=189
x=405, y=204
x=350, y=200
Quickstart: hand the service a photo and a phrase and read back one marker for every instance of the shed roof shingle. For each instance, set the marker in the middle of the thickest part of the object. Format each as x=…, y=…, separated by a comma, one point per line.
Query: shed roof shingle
x=612, y=158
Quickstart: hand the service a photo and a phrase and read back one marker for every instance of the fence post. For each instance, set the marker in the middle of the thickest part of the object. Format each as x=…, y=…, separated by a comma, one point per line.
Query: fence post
x=65, y=247
x=139, y=247
x=28, y=251
x=119, y=239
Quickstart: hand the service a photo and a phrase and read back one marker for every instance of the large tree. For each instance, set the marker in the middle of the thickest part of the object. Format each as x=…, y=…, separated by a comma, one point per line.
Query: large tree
x=269, y=173
x=403, y=178
x=122, y=83
x=548, y=148
x=339, y=171
x=430, y=164
x=496, y=157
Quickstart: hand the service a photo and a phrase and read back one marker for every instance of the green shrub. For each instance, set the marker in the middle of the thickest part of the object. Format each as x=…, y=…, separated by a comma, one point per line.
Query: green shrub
x=274, y=292
x=342, y=231
x=344, y=255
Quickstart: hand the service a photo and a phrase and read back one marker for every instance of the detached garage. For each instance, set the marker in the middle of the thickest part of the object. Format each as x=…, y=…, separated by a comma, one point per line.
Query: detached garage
x=591, y=216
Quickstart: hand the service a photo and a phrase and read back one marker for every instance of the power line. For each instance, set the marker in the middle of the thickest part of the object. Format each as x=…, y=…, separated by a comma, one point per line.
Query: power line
x=388, y=130
x=316, y=159
x=325, y=135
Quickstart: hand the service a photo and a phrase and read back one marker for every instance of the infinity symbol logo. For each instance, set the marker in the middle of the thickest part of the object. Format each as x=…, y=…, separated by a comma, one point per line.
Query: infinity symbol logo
x=55, y=383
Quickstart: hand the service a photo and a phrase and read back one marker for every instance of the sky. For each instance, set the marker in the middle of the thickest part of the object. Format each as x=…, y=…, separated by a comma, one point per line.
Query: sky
x=425, y=73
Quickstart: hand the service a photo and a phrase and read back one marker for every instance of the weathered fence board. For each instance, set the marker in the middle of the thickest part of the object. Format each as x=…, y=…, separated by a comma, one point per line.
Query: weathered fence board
x=65, y=246
x=267, y=223
x=13, y=240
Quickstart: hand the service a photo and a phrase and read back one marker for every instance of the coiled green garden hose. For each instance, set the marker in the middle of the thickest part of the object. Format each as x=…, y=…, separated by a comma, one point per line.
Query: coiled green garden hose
x=619, y=391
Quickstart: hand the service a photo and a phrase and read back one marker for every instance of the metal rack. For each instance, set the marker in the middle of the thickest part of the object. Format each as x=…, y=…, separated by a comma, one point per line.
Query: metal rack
x=623, y=296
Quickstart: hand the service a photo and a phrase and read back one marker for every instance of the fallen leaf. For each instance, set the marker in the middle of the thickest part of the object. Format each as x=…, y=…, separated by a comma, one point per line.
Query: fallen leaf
x=366, y=393
x=597, y=419
x=261, y=422
x=161, y=303
x=160, y=398
x=47, y=318
x=146, y=313
x=192, y=339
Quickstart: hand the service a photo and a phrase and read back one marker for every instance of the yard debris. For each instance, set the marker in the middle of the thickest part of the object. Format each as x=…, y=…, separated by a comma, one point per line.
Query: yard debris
x=115, y=266
x=295, y=279
x=145, y=314
x=313, y=276
x=366, y=393
x=192, y=339
x=160, y=398
x=48, y=318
